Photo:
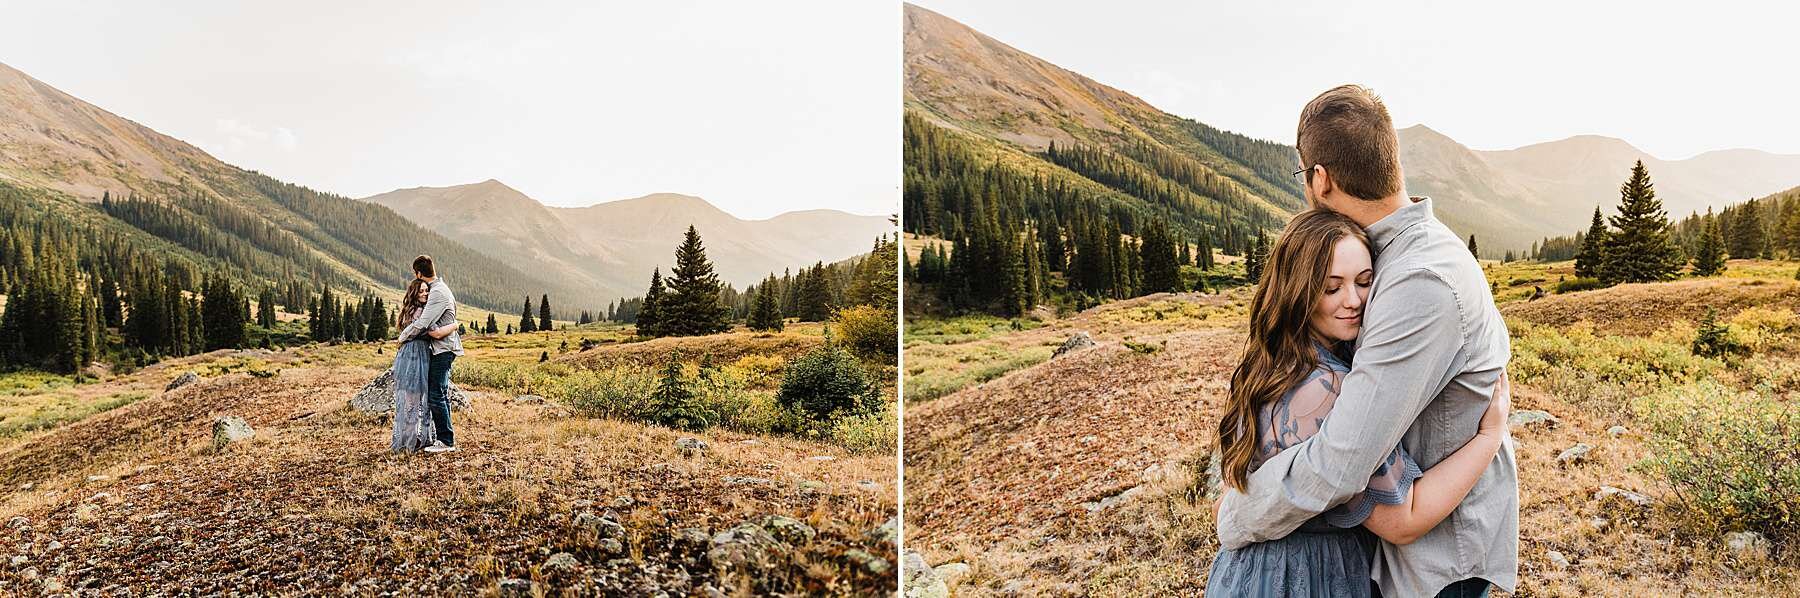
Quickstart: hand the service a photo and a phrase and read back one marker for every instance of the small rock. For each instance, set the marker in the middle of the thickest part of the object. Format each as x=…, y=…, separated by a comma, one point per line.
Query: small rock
x=1599, y=523
x=812, y=486
x=20, y=559
x=888, y=532
x=184, y=379
x=53, y=545
x=873, y=564
x=748, y=547
x=97, y=478
x=951, y=572
x=747, y=481
x=1013, y=588
x=690, y=445
x=789, y=530
x=1531, y=417
x=86, y=511
x=623, y=502
x=1634, y=498
x=561, y=562
x=515, y=588
x=1748, y=545
x=1557, y=558
x=611, y=546
x=1111, y=501
x=1615, y=431
x=1574, y=454
x=821, y=458
x=229, y=429
x=868, y=486
x=528, y=400
x=18, y=522
x=1079, y=341
x=919, y=580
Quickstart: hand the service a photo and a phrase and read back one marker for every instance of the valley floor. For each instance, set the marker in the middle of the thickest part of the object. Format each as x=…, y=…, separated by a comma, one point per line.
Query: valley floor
x=137, y=499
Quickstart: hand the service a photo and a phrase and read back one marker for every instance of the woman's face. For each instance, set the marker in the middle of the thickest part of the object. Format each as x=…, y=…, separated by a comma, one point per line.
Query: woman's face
x=424, y=293
x=1338, y=314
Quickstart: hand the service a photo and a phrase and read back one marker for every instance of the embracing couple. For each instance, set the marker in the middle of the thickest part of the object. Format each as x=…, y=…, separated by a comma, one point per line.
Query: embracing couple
x=1364, y=445
x=428, y=344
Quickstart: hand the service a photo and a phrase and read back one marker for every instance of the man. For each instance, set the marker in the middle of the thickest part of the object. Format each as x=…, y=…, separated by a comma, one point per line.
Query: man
x=1431, y=350
x=439, y=310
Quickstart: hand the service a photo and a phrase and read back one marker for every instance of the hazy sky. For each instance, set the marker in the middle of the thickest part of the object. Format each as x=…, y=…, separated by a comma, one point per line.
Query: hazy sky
x=760, y=108
x=1675, y=80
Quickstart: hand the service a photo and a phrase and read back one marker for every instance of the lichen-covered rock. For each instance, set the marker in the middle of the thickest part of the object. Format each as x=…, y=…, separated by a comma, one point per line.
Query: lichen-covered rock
x=229, y=429
x=1079, y=341
x=184, y=379
x=377, y=397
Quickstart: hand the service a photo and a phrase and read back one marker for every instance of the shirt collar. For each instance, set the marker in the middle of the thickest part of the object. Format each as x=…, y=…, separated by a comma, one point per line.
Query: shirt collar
x=1385, y=230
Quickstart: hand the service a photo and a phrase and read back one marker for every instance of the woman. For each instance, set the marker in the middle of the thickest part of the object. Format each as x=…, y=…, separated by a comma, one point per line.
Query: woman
x=412, y=364
x=1304, y=316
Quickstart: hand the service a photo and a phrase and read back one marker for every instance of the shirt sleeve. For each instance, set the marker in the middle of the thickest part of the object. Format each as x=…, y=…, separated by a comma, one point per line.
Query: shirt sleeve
x=1410, y=344
x=435, y=305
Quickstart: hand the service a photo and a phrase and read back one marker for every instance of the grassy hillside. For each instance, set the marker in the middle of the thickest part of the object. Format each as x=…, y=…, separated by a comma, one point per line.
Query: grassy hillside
x=1086, y=474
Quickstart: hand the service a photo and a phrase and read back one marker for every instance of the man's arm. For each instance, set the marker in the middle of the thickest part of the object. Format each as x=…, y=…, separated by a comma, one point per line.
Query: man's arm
x=435, y=305
x=1404, y=362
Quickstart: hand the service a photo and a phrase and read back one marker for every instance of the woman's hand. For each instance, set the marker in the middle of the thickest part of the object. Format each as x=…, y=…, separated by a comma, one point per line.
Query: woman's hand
x=1493, y=422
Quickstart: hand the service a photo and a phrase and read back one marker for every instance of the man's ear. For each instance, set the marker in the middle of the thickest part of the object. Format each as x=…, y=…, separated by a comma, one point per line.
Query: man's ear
x=1324, y=187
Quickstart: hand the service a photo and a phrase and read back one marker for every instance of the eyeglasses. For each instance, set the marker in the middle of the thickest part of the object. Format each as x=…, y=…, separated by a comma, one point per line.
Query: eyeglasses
x=1306, y=180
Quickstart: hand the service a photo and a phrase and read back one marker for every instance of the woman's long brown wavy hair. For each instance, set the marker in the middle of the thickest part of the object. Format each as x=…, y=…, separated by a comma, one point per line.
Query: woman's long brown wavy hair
x=410, y=304
x=1279, y=352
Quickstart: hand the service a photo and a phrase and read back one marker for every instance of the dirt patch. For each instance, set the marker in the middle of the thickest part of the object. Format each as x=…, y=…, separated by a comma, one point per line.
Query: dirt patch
x=1640, y=309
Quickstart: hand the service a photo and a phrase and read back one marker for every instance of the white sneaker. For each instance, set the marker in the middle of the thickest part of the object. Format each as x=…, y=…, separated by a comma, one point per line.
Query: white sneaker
x=439, y=447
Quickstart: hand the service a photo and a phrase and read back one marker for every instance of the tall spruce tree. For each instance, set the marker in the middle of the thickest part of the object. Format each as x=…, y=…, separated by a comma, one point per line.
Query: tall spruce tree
x=692, y=306
x=1640, y=249
x=526, y=323
x=649, y=317
x=1748, y=240
x=544, y=312
x=1473, y=249
x=1593, y=248
x=492, y=326
x=765, y=315
x=1710, y=258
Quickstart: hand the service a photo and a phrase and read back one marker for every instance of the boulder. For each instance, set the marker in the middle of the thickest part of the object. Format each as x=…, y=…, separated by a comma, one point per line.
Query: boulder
x=528, y=400
x=561, y=562
x=1615, y=431
x=690, y=445
x=1079, y=341
x=951, y=572
x=1574, y=454
x=229, y=429
x=1609, y=492
x=747, y=548
x=184, y=379
x=1528, y=418
x=377, y=397
x=919, y=580
x=1748, y=545
x=789, y=530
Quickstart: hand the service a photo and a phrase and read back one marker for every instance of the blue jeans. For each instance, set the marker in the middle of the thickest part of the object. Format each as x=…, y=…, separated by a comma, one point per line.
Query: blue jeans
x=439, y=399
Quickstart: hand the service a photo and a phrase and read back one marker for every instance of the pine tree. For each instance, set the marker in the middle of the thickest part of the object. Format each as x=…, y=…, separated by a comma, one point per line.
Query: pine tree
x=650, y=315
x=815, y=298
x=1641, y=250
x=765, y=316
x=492, y=325
x=544, y=313
x=1253, y=261
x=1472, y=248
x=675, y=404
x=692, y=305
x=265, y=308
x=526, y=324
x=1710, y=259
x=1593, y=248
x=1748, y=240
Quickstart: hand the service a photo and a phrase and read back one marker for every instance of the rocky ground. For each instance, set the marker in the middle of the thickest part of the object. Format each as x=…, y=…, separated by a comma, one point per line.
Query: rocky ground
x=159, y=497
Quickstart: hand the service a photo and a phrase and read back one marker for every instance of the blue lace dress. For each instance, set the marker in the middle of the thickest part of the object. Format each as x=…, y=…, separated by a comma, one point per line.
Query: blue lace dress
x=1331, y=554
x=413, y=430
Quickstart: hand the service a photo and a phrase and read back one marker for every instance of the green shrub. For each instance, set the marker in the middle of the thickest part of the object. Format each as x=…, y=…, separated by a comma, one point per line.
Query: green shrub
x=1731, y=457
x=1712, y=339
x=874, y=433
x=618, y=393
x=869, y=332
x=675, y=404
x=1579, y=284
x=828, y=382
